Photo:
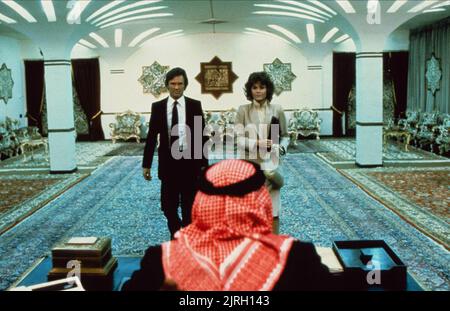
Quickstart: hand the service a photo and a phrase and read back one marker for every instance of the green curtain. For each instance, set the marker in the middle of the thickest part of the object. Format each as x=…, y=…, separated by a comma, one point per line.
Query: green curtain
x=423, y=43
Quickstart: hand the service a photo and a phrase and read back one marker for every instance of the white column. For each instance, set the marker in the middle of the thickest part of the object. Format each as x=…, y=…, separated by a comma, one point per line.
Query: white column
x=61, y=129
x=369, y=109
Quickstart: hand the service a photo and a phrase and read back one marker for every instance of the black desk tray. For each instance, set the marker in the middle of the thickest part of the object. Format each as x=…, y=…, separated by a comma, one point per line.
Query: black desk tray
x=370, y=264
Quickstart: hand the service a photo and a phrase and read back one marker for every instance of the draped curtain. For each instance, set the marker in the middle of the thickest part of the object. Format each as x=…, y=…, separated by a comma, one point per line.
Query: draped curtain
x=86, y=75
x=34, y=79
x=423, y=43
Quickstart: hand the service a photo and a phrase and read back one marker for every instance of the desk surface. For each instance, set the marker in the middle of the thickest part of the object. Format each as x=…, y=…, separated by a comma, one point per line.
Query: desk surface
x=125, y=268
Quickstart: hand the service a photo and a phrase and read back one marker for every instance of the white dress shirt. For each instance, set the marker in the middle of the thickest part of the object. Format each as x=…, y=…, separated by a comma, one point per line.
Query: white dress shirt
x=181, y=107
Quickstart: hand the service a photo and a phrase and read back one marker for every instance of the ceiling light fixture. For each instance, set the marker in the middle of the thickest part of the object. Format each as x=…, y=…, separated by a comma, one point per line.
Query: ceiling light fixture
x=265, y=33
x=311, y=33
x=289, y=14
x=341, y=38
x=346, y=6
x=439, y=5
x=286, y=32
x=422, y=6
x=434, y=10
x=142, y=36
x=396, y=6
x=87, y=44
x=305, y=6
x=6, y=19
x=108, y=20
x=74, y=15
x=330, y=34
x=118, y=34
x=289, y=8
x=323, y=6
x=125, y=8
x=49, y=10
x=173, y=33
x=134, y=18
x=104, y=9
x=20, y=10
x=99, y=39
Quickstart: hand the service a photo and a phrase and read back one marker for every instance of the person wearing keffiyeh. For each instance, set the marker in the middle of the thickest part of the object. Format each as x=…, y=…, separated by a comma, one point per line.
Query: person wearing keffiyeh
x=230, y=245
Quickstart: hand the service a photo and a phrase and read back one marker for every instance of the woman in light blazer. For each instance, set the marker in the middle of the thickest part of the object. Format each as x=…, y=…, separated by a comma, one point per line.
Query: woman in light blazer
x=262, y=135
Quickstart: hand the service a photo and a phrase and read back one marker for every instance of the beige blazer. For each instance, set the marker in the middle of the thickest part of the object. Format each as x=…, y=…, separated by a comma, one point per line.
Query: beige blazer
x=257, y=125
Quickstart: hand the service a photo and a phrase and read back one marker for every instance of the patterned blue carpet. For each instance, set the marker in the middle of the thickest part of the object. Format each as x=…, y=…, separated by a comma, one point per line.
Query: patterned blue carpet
x=319, y=205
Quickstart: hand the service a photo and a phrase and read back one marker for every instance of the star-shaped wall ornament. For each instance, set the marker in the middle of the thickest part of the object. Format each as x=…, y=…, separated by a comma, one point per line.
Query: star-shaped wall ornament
x=152, y=79
x=281, y=75
x=433, y=74
x=216, y=77
x=6, y=83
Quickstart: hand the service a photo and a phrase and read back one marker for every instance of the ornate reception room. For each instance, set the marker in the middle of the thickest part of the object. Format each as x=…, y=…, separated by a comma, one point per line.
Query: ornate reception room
x=365, y=89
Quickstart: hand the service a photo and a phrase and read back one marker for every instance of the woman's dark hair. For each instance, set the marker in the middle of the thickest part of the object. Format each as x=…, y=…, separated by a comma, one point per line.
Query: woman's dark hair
x=263, y=78
x=175, y=72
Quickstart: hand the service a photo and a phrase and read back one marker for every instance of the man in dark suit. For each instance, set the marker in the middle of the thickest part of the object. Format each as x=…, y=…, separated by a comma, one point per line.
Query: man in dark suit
x=179, y=122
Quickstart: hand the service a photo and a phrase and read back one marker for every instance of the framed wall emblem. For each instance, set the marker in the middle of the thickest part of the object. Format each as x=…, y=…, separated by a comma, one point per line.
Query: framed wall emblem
x=281, y=75
x=216, y=77
x=152, y=79
x=6, y=83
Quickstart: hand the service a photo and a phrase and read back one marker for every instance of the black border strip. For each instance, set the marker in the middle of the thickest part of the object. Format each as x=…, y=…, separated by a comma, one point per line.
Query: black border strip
x=368, y=165
x=57, y=62
x=61, y=130
x=369, y=55
x=369, y=123
x=64, y=172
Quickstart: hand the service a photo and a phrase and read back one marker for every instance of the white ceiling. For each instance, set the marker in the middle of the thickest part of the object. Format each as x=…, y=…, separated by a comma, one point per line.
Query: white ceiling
x=236, y=14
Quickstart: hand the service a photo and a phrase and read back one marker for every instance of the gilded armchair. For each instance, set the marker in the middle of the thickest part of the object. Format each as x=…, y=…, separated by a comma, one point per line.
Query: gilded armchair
x=304, y=122
x=127, y=125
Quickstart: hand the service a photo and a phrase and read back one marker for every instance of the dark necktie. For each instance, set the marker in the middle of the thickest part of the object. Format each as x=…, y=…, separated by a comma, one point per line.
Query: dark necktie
x=174, y=137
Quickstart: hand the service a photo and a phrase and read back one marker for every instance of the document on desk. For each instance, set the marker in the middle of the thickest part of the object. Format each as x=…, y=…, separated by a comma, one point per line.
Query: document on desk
x=329, y=259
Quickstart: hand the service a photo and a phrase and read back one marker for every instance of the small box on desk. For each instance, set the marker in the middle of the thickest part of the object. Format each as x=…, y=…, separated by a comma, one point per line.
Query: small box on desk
x=370, y=264
x=90, y=257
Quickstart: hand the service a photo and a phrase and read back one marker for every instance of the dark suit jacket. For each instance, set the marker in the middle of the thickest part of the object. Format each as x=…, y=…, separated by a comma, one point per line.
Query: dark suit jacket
x=168, y=167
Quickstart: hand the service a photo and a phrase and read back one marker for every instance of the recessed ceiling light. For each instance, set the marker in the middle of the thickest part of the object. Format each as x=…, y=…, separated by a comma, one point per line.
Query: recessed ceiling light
x=286, y=32
x=330, y=34
x=118, y=33
x=87, y=44
x=20, y=10
x=422, y=6
x=323, y=6
x=49, y=10
x=128, y=19
x=289, y=14
x=6, y=19
x=99, y=39
x=341, y=38
x=164, y=35
x=311, y=33
x=434, y=10
x=265, y=33
x=104, y=9
x=122, y=15
x=346, y=6
x=74, y=15
x=396, y=6
x=439, y=5
x=289, y=8
x=124, y=8
x=305, y=6
x=142, y=36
